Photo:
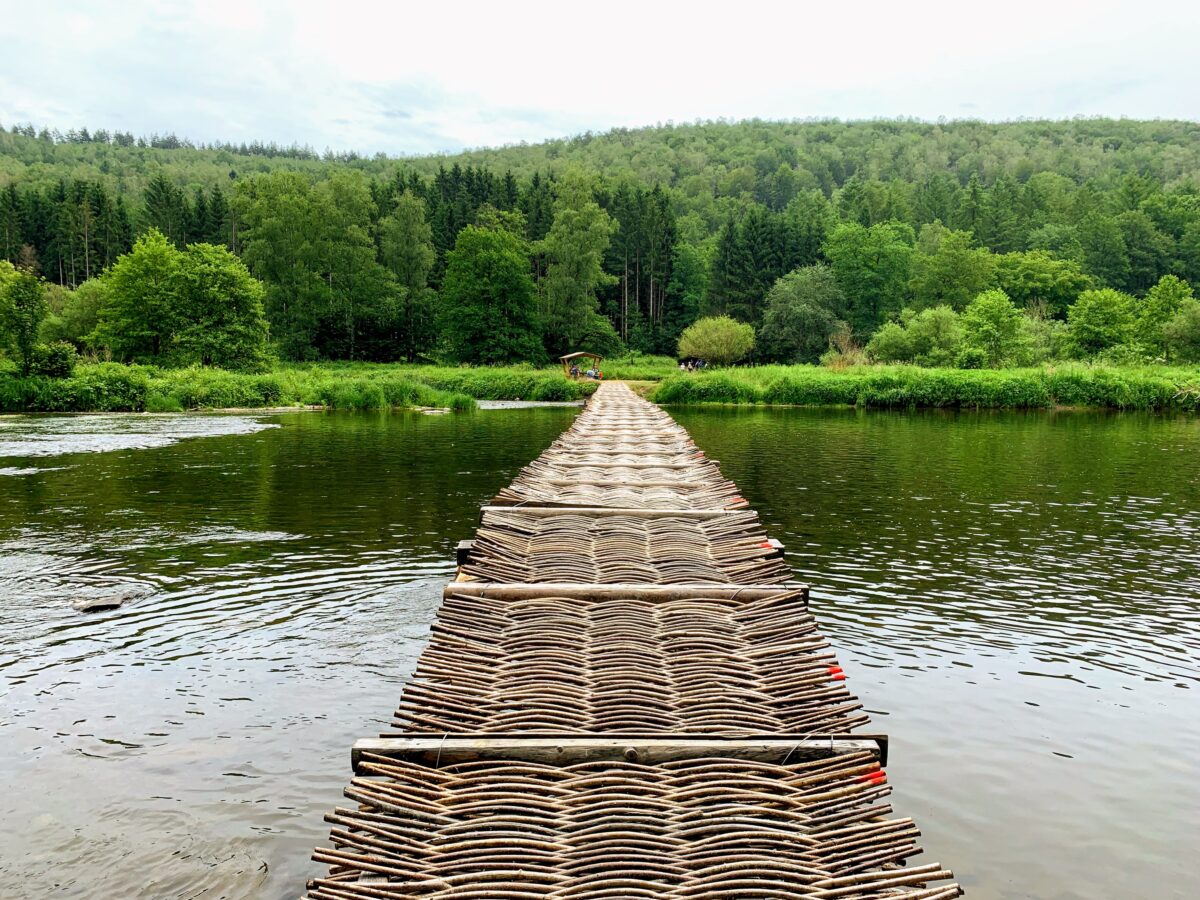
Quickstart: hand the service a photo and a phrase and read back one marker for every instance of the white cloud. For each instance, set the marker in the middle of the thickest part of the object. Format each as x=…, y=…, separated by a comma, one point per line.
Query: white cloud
x=406, y=80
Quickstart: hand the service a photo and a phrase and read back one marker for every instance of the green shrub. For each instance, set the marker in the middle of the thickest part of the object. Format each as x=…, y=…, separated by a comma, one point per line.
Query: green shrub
x=552, y=389
x=991, y=323
x=1099, y=320
x=1181, y=333
x=158, y=402
x=971, y=358
x=54, y=360
x=890, y=344
x=718, y=339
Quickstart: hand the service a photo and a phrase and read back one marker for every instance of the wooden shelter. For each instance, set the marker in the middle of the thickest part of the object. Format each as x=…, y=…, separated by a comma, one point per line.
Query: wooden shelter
x=573, y=358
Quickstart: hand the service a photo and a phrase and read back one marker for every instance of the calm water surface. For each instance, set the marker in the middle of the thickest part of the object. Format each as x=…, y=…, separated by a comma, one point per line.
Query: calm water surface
x=1015, y=597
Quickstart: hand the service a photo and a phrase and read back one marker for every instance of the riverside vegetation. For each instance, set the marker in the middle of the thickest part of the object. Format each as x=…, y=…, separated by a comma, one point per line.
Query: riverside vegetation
x=956, y=264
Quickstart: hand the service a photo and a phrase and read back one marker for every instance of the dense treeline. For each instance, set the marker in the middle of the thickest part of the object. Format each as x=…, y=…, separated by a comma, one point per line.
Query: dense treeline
x=864, y=234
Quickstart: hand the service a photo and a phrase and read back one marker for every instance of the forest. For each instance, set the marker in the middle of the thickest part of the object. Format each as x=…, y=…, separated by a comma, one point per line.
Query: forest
x=952, y=244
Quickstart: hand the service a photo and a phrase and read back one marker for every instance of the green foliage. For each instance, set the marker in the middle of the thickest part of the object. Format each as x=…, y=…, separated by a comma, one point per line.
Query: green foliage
x=803, y=309
x=1057, y=240
x=992, y=324
x=312, y=245
x=909, y=386
x=1181, y=335
x=138, y=321
x=387, y=393
x=54, y=360
x=599, y=336
x=640, y=367
x=972, y=358
x=687, y=287
x=280, y=235
x=751, y=254
x=488, y=306
x=198, y=306
x=1100, y=320
x=75, y=314
x=406, y=247
x=353, y=251
x=199, y=387
x=950, y=271
x=719, y=340
x=116, y=387
x=931, y=337
x=495, y=383
x=936, y=335
x=1105, y=254
x=108, y=387
x=574, y=249
x=873, y=266
x=1042, y=339
x=22, y=309
x=890, y=344
x=1037, y=279
x=1162, y=303
x=219, y=320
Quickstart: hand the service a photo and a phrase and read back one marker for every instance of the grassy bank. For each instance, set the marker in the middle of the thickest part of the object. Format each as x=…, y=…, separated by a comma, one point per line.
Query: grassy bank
x=478, y=382
x=1159, y=388
x=110, y=387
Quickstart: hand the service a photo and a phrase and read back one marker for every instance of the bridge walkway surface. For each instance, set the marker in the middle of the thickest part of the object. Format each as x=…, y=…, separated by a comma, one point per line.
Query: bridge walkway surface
x=624, y=695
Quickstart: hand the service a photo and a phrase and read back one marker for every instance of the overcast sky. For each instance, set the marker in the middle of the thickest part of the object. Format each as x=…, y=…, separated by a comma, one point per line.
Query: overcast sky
x=413, y=78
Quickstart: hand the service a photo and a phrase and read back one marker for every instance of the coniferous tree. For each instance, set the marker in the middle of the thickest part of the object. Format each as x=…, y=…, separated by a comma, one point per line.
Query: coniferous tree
x=10, y=223
x=165, y=209
x=724, y=262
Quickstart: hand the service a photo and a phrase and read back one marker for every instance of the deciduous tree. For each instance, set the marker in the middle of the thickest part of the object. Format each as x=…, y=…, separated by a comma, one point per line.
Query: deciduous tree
x=718, y=339
x=139, y=320
x=992, y=324
x=873, y=266
x=406, y=244
x=488, y=305
x=803, y=309
x=574, y=249
x=1099, y=320
x=22, y=309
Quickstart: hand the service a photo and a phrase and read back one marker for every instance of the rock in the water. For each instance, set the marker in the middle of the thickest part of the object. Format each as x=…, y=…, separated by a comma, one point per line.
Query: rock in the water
x=97, y=604
x=114, y=599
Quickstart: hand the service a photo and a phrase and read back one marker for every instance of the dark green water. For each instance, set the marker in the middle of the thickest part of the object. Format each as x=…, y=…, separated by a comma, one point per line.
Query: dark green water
x=1015, y=597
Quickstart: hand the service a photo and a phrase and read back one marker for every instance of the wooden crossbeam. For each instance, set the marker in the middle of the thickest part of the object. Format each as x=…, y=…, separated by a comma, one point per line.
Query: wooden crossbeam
x=508, y=590
x=439, y=750
x=539, y=508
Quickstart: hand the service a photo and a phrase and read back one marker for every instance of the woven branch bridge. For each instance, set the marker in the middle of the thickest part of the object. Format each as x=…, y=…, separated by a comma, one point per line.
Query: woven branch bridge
x=624, y=697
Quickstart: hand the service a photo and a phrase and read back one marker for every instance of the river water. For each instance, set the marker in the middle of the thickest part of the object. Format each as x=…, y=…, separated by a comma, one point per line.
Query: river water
x=1016, y=598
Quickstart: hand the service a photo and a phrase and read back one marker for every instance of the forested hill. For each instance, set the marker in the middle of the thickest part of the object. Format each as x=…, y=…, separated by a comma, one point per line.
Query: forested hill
x=713, y=164
x=692, y=219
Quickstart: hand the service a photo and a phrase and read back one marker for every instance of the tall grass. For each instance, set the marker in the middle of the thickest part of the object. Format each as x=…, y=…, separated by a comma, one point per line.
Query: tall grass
x=482, y=383
x=114, y=387
x=110, y=387
x=910, y=386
